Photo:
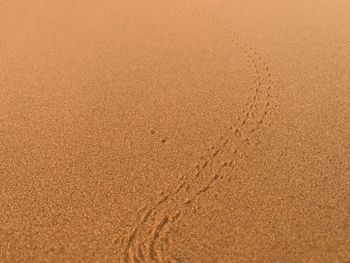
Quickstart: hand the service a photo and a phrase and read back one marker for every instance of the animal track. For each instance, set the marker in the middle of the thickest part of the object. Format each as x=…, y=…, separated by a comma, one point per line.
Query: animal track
x=162, y=140
x=150, y=238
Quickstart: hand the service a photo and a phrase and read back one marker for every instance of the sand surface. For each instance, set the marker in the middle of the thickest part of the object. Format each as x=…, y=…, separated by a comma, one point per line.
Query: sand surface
x=174, y=131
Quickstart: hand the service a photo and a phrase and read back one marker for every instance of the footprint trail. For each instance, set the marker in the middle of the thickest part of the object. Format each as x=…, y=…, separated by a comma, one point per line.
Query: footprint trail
x=150, y=238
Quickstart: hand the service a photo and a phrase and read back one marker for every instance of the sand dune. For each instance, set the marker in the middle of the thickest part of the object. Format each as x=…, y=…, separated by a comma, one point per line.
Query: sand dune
x=174, y=131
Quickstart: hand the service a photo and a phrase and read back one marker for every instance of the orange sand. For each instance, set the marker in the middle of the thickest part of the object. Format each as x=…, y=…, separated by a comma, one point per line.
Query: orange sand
x=174, y=131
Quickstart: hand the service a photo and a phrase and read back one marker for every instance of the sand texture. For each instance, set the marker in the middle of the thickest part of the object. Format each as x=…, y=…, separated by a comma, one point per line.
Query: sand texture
x=174, y=131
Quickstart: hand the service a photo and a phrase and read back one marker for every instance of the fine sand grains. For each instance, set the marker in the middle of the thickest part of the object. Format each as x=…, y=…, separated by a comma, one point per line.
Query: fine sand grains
x=174, y=131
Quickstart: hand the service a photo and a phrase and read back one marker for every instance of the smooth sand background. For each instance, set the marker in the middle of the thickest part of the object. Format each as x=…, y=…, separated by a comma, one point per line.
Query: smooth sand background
x=174, y=131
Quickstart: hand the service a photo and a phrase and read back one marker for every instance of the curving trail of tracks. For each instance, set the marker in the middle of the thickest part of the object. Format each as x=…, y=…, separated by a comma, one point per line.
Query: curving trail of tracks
x=150, y=238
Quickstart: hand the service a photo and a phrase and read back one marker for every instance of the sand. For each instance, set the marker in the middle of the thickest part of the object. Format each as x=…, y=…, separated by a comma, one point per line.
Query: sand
x=174, y=131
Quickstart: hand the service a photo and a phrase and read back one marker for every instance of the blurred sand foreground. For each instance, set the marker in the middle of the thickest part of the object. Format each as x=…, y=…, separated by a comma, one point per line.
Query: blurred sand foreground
x=174, y=131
